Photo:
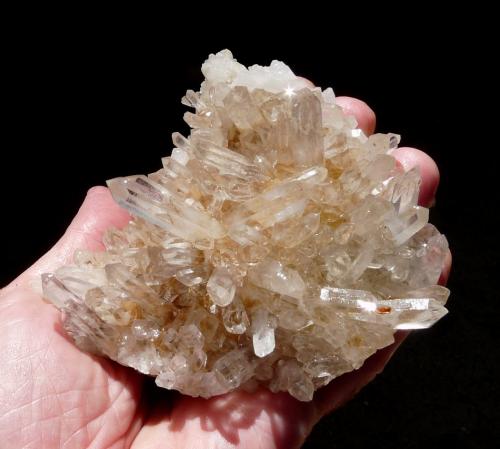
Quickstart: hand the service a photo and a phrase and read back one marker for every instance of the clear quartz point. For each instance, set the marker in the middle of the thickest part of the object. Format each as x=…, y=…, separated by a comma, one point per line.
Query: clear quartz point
x=221, y=287
x=277, y=244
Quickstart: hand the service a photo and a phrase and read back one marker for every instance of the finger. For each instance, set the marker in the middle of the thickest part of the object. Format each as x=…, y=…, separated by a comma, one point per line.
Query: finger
x=429, y=172
x=445, y=274
x=97, y=213
x=361, y=111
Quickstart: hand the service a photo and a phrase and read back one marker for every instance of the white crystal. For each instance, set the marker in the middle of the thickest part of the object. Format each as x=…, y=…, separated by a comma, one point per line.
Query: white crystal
x=263, y=333
x=274, y=276
x=221, y=287
x=222, y=68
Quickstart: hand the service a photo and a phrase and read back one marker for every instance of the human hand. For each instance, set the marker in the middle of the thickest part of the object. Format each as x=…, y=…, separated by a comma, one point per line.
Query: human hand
x=54, y=395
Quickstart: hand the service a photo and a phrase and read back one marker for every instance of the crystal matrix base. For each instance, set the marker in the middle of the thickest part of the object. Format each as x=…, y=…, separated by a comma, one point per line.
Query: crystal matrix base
x=277, y=245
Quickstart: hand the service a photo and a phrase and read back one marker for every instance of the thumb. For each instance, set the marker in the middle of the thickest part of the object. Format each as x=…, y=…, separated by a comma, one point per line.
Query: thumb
x=97, y=213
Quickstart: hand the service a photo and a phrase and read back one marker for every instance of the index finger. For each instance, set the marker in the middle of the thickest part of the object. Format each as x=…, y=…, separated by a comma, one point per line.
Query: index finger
x=361, y=111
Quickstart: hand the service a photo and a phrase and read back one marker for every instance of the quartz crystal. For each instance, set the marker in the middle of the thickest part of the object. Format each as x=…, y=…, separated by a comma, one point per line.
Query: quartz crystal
x=278, y=245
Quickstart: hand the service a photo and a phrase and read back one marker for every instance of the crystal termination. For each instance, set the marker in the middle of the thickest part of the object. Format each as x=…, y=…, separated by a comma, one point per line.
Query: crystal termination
x=278, y=245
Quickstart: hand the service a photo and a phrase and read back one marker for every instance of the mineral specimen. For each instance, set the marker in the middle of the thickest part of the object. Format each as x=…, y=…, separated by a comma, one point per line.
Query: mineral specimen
x=278, y=245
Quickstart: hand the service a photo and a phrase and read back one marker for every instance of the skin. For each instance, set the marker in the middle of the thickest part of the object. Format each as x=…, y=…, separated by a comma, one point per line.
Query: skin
x=53, y=395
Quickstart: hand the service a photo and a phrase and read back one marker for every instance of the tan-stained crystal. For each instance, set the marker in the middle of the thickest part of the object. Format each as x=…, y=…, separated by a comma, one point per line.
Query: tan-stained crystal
x=278, y=244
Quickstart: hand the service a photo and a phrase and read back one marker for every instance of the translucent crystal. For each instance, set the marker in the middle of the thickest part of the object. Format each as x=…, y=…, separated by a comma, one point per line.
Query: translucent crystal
x=292, y=378
x=306, y=130
x=235, y=318
x=277, y=244
x=234, y=368
x=221, y=287
x=263, y=333
x=276, y=277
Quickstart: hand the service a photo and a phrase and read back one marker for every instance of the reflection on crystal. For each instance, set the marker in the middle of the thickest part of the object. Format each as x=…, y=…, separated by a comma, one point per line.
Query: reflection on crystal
x=221, y=287
x=263, y=333
x=278, y=244
x=235, y=318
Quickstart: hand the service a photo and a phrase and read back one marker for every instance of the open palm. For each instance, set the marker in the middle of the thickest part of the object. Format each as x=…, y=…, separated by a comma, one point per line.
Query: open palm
x=52, y=395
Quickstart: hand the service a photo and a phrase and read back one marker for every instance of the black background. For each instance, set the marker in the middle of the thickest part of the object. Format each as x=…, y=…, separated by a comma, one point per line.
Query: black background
x=87, y=103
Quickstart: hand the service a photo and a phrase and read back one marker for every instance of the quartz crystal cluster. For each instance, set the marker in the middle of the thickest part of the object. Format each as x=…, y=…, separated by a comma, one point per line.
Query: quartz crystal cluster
x=278, y=245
